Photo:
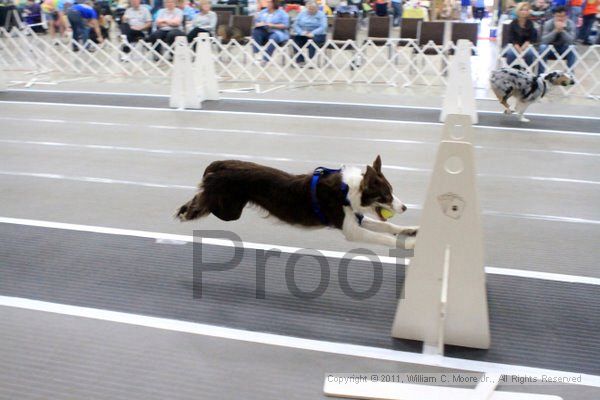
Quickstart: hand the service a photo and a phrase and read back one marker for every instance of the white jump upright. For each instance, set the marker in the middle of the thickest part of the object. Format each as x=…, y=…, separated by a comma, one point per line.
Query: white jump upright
x=204, y=68
x=184, y=90
x=3, y=80
x=460, y=94
x=444, y=299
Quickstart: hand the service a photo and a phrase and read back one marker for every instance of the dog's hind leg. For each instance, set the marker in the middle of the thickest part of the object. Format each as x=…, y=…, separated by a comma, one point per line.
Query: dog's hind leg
x=503, y=98
x=195, y=208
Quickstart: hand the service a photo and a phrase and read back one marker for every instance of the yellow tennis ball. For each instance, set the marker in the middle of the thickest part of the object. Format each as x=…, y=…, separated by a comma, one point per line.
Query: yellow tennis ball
x=387, y=214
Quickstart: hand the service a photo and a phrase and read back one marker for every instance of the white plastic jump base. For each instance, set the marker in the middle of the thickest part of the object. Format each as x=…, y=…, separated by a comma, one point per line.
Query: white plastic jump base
x=460, y=94
x=407, y=391
x=450, y=230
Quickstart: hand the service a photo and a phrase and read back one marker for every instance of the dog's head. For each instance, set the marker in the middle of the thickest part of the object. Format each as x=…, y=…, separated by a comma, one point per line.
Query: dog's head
x=559, y=78
x=376, y=197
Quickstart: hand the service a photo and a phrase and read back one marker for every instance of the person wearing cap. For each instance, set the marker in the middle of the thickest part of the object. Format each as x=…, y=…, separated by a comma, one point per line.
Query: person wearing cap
x=82, y=17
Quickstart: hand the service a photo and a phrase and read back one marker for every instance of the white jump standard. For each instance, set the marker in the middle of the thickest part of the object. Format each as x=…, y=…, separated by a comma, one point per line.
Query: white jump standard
x=193, y=83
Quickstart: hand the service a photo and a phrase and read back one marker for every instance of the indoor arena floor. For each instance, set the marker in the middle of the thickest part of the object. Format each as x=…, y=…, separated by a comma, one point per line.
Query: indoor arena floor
x=96, y=280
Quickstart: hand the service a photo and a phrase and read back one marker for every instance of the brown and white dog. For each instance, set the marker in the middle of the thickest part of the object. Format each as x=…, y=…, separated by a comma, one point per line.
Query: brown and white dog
x=342, y=199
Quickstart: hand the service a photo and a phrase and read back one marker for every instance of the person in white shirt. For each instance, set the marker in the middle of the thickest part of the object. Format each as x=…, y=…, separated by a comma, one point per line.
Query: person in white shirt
x=204, y=21
x=169, y=24
x=136, y=22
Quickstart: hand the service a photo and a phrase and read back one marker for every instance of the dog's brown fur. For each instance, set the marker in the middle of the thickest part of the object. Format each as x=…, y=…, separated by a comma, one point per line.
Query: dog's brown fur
x=227, y=186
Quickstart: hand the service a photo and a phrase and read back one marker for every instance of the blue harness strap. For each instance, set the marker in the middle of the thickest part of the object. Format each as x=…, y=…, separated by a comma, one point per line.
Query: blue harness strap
x=317, y=174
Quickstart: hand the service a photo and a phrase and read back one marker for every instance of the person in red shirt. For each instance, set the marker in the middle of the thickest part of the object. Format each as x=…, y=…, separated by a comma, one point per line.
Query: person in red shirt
x=575, y=10
x=589, y=16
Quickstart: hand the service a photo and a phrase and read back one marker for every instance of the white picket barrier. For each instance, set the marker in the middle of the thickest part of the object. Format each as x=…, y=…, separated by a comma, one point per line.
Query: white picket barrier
x=335, y=62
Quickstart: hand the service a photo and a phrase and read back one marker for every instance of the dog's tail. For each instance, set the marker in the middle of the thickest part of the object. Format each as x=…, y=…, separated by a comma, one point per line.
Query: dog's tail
x=193, y=209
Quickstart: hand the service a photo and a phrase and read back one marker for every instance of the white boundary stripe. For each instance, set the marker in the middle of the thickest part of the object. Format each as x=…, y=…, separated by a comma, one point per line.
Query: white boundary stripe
x=270, y=158
x=170, y=237
x=91, y=179
x=289, y=341
x=289, y=134
x=371, y=105
x=374, y=120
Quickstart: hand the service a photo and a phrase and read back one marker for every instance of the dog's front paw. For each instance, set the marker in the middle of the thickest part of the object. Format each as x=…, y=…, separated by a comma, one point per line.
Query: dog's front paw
x=410, y=231
x=508, y=111
x=523, y=119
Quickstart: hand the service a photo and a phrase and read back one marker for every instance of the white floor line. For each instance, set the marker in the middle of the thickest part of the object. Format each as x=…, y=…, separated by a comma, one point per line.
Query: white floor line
x=289, y=341
x=275, y=159
x=175, y=238
x=288, y=134
x=369, y=105
x=90, y=179
x=292, y=116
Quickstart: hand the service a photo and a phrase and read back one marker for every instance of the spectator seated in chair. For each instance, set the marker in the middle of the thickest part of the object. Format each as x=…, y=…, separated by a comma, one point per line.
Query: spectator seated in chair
x=310, y=27
x=560, y=33
x=272, y=23
x=135, y=23
x=32, y=13
x=169, y=25
x=82, y=17
x=204, y=21
x=521, y=34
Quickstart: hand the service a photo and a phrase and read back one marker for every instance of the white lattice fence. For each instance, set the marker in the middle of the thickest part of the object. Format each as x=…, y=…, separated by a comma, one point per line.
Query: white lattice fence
x=348, y=62
x=391, y=62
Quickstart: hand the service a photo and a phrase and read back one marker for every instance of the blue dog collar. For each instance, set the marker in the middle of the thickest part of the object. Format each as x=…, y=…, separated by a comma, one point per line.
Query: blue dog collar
x=317, y=174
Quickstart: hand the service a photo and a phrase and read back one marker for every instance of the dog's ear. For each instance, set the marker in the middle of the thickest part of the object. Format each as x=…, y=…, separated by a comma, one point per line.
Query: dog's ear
x=550, y=77
x=368, y=176
x=377, y=164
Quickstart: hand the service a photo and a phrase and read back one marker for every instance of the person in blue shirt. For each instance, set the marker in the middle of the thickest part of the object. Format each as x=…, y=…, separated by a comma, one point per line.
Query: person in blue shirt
x=310, y=27
x=464, y=10
x=82, y=17
x=479, y=9
x=397, y=7
x=272, y=23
